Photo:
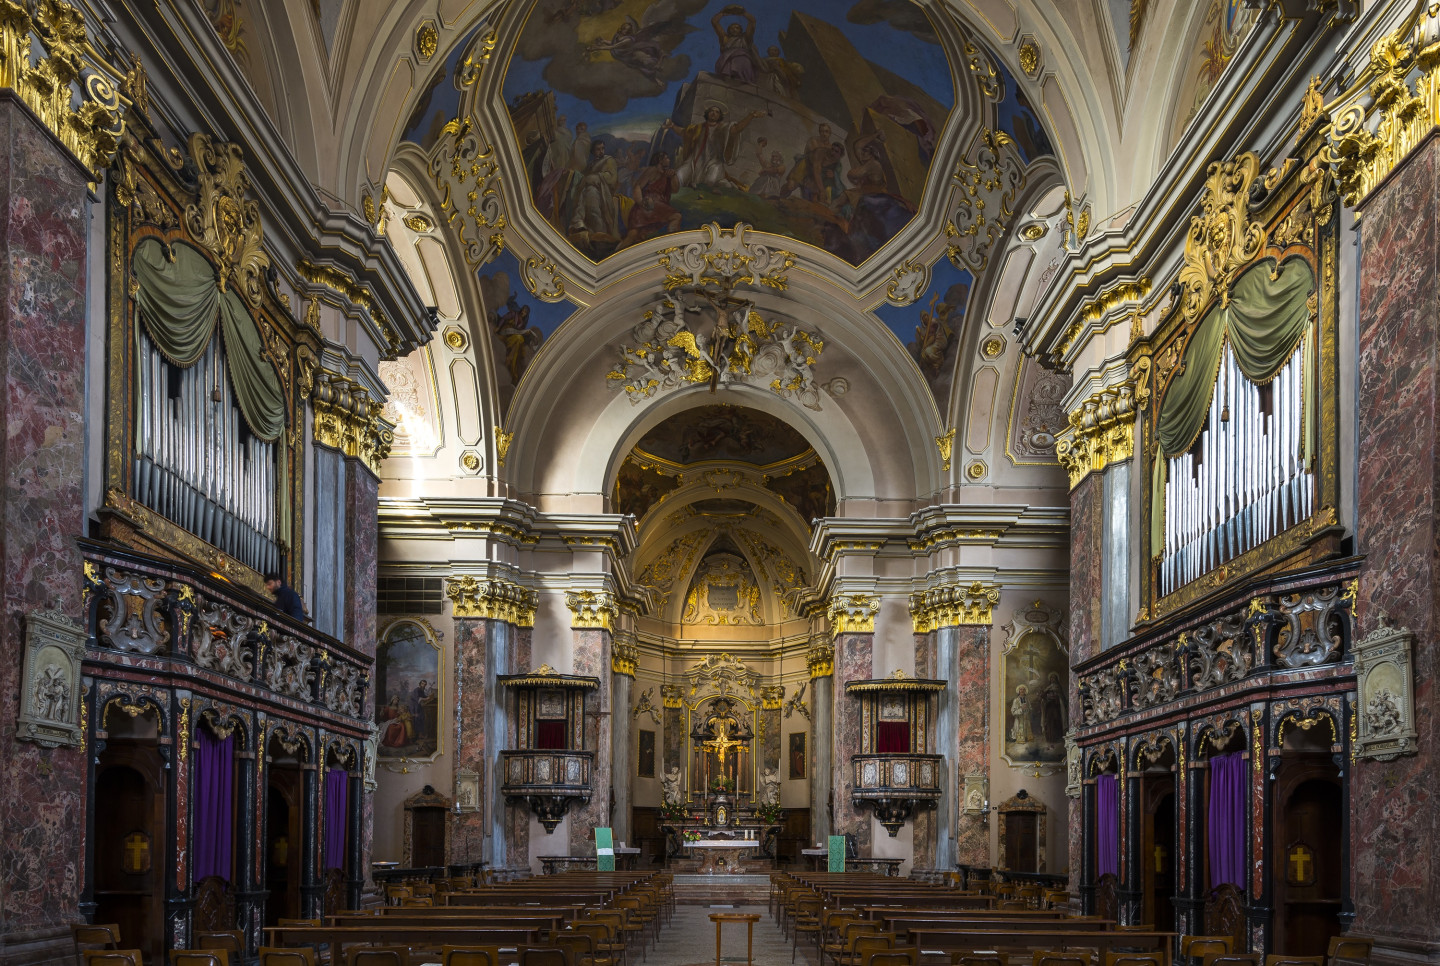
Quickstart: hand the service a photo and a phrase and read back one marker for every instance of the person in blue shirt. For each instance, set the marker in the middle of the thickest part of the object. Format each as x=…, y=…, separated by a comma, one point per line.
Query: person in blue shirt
x=285, y=598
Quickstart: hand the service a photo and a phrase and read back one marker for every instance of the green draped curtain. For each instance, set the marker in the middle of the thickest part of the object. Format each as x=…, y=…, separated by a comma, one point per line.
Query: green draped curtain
x=180, y=301
x=1265, y=319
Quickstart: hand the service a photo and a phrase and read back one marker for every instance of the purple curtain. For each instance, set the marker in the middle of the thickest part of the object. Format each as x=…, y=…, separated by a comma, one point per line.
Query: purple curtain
x=1107, y=826
x=337, y=817
x=1226, y=829
x=214, y=803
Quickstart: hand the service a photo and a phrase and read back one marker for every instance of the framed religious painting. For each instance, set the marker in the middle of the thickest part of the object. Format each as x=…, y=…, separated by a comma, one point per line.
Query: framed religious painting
x=797, y=754
x=1034, y=697
x=645, y=762
x=407, y=695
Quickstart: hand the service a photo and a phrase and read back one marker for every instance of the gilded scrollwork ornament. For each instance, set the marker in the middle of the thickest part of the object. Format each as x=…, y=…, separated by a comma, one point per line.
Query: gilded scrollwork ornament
x=224, y=220
x=1222, y=237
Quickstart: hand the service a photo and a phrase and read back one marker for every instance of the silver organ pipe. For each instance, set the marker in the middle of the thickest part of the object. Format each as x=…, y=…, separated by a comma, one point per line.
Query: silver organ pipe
x=195, y=462
x=1245, y=481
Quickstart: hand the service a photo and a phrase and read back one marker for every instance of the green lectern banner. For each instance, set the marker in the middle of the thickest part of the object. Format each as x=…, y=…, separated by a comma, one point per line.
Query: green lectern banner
x=604, y=850
x=837, y=854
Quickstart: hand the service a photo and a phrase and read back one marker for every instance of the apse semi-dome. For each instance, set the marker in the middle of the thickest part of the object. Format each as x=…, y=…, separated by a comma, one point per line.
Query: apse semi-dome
x=813, y=119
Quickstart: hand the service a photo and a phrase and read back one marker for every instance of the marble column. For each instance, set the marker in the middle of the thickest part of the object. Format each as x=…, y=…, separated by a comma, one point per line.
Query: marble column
x=970, y=688
x=591, y=656
x=1395, y=851
x=622, y=681
x=475, y=715
x=821, y=658
x=945, y=736
x=1087, y=532
x=854, y=661
x=44, y=207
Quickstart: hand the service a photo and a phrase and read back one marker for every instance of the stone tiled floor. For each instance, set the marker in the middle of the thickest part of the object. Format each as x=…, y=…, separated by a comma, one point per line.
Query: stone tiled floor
x=689, y=940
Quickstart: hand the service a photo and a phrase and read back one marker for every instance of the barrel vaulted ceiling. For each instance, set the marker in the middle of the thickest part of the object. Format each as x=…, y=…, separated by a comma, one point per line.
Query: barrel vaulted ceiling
x=912, y=174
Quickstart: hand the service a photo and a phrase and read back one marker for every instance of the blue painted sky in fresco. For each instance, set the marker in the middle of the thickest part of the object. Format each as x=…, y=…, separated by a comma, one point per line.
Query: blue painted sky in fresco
x=920, y=62
x=545, y=316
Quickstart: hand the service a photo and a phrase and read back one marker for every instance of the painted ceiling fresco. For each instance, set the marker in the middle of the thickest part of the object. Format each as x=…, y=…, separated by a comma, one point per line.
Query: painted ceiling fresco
x=723, y=432
x=518, y=322
x=815, y=119
x=931, y=326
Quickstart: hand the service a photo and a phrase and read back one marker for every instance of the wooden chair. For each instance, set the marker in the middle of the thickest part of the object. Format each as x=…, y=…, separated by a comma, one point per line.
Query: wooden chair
x=1047, y=957
x=1194, y=949
x=969, y=957
x=467, y=956
x=1133, y=959
x=578, y=948
x=866, y=944
x=199, y=957
x=394, y=893
x=805, y=919
x=851, y=931
x=412, y=902
x=895, y=956
x=832, y=932
x=231, y=940
x=111, y=957
x=94, y=936
x=377, y=956
x=1352, y=948
x=1233, y=959
x=1054, y=897
x=286, y=956
x=540, y=956
x=1012, y=904
x=1278, y=960
x=606, y=947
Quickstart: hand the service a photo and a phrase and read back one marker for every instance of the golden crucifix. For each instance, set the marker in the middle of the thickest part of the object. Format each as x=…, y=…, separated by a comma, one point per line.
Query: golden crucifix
x=722, y=742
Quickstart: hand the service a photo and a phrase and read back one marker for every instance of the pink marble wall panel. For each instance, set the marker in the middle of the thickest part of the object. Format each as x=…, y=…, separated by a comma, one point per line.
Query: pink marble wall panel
x=926, y=823
x=970, y=690
x=42, y=348
x=1395, y=821
x=471, y=648
x=854, y=661
x=362, y=538
x=591, y=656
x=516, y=821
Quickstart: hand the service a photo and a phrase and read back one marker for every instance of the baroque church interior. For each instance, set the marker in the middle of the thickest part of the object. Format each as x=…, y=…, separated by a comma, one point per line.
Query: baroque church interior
x=518, y=481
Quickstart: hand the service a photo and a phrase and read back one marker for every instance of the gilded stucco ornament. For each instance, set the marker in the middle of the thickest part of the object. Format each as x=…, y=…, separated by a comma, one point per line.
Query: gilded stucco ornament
x=502, y=444
x=1030, y=57
x=987, y=188
x=955, y=605
x=44, y=59
x=1368, y=141
x=907, y=283
x=1101, y=428
x=464, y=169
x=946, y=444
x=492, y=599
x=224, y=220
x=343, y=284
x=1222, y=237
x=427, y=40
x=726, y=258
x=852, y=614
x=591, y=608
x=348, y=420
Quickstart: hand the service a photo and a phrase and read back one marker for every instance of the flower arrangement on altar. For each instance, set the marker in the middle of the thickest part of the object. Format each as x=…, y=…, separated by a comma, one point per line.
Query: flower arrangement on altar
x=691, y=836
x=720, y=785
x=769, y=813
x=673, y=811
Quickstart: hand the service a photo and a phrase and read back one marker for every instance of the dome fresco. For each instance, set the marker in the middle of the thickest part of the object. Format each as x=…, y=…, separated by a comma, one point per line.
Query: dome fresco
x=816, y=120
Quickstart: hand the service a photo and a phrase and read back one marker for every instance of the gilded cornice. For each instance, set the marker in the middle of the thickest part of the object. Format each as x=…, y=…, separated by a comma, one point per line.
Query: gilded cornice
x=852, y=614
x=343, y=284
x=954, y=606
x=492, y=599
x=1107, y=304
x=1102, y=426
x=591, y=608
x=347, y=419
x=820, y=659
x=89, y=126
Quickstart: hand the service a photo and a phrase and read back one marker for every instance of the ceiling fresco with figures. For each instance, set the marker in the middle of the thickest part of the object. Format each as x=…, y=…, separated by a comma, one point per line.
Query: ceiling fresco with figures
x=815, y=119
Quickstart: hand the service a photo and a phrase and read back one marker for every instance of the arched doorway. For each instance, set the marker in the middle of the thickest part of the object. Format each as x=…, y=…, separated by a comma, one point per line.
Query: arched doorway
x=1308, y=818
x=130, y=829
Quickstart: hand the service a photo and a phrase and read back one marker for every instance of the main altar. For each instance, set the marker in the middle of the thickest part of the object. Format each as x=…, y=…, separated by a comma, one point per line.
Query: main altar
x=721, y=812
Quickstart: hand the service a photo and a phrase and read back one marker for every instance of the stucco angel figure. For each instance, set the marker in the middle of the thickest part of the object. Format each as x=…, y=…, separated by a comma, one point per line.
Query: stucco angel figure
x=674, y=794
x=770, y=787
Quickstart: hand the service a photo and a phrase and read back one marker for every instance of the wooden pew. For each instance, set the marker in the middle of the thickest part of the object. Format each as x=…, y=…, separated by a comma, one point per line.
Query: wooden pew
x=944, y=940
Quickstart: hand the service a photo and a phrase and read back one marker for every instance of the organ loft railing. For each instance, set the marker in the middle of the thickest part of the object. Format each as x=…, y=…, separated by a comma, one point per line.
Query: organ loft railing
x=1241, y=430
x=207, y=368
